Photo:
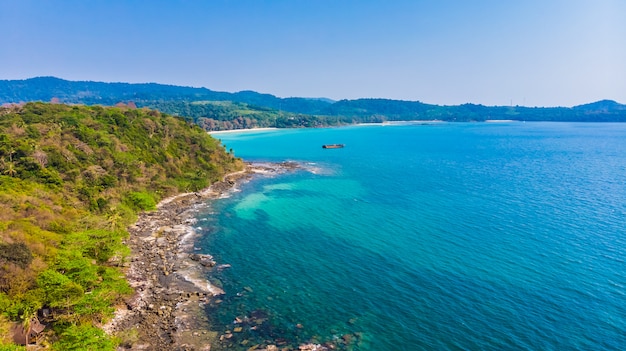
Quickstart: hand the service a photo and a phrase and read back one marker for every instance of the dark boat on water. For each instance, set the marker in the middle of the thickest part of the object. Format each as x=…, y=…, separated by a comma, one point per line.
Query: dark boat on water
x=333, y=146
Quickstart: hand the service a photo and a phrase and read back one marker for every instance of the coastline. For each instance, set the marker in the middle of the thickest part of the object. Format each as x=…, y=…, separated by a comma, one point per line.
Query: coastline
x=166, y=311
x=365, y=124
x=245, y=130
x=500, y=120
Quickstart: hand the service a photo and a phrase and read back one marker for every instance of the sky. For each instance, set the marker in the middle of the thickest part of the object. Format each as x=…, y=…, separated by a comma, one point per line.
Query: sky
x=447, y=52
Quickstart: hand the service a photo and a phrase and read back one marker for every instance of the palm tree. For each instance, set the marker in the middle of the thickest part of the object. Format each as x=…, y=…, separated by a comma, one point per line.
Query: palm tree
x=9, y=168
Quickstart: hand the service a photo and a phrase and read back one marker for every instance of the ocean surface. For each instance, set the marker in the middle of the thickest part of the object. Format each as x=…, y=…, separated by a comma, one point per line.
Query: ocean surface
x=443, y=236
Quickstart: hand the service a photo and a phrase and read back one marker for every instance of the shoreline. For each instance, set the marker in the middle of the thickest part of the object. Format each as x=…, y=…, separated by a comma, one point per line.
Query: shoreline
x=244, y=130
x=365, y=124
x=166, y=311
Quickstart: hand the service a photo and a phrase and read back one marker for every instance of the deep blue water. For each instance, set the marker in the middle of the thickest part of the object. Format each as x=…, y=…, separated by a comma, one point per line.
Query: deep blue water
x=484, y=236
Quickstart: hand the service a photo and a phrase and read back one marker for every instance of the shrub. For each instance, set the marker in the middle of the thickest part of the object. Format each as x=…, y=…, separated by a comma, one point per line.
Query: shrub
x=18, y=254
x=140, y=200
x=83, y=337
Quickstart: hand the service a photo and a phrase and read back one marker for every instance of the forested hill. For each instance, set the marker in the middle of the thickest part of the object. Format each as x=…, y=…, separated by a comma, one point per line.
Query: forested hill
x=90, y=93
x=214, y=110
x=378, y=110
x=72, y=178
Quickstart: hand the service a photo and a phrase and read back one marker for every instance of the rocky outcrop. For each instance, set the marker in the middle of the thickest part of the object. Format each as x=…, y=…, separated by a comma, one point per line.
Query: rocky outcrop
x=166, y=311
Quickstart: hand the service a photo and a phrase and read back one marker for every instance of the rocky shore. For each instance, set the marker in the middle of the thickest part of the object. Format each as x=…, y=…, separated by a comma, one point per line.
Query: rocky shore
x=166, y=312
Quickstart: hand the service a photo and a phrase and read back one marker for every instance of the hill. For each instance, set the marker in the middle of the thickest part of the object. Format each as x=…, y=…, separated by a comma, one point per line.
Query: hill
x=72, y=178
x=90, y=93
x=378, y=110
x=248, y=109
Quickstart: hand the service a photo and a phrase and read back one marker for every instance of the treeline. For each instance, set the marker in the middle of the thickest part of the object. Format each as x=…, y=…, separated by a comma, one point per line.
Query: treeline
x=72, y=178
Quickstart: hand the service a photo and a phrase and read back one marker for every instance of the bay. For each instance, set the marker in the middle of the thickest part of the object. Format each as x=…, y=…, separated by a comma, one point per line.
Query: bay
x=447, y=236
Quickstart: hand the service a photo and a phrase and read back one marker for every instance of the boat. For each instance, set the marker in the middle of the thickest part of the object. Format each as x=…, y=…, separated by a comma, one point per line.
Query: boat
x=333, y=146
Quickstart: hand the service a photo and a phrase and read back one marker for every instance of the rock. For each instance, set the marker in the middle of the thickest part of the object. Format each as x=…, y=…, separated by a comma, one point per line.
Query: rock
x=347, y=338
x=158, y=250
x=312, y=347
x=238, y=329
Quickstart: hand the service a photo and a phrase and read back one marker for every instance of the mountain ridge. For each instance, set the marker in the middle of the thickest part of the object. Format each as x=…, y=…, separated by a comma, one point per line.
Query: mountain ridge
x=251, y=109
x=110, y=93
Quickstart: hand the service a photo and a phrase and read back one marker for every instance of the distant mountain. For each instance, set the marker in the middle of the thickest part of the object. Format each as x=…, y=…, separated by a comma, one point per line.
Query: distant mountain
x=606, y=106
x=214, y=110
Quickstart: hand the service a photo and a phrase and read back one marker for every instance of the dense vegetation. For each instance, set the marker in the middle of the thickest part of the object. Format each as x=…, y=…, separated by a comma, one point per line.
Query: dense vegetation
x=91, y=93
x=214, y=110
x=72, y=178
x=226, y=115
x=223, y=115
x=378, y=110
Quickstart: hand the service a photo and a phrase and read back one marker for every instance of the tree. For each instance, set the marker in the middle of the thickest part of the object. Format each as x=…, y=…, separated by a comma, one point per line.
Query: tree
x=41, y=158
x=59, y=290
x=8, y=168
x=83, y=337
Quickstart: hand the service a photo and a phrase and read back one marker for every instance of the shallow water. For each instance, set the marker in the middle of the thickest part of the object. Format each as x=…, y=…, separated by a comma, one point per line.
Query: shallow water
x=420, y=237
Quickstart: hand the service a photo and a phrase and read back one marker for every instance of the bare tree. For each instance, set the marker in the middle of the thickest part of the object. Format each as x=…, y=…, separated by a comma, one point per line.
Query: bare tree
x=41, y=158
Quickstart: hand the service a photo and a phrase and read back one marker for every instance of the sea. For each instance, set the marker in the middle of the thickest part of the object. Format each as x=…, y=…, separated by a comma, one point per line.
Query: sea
x=424, y=236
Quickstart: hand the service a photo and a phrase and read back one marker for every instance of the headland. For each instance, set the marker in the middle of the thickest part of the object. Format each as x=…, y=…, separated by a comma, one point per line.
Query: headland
x=170, y=280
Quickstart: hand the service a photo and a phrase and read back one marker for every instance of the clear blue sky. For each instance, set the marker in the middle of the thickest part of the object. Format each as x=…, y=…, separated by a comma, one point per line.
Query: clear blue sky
x=492, y=52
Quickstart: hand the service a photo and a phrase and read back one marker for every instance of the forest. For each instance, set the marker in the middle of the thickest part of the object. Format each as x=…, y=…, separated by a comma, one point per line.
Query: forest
x=213, y=110
x=72, y=178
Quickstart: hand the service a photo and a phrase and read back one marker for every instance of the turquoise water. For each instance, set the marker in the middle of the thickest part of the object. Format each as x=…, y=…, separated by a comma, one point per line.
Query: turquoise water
x=503, y=236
